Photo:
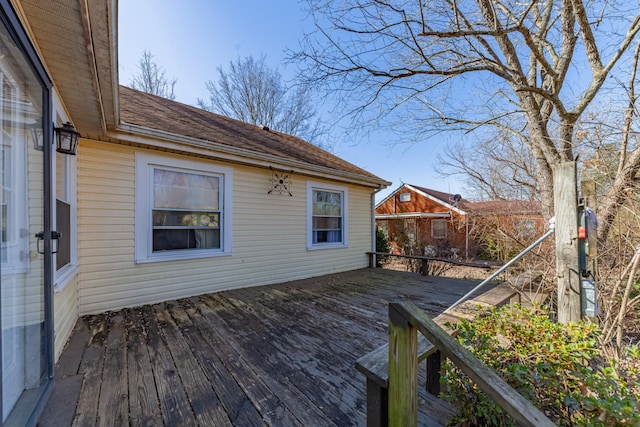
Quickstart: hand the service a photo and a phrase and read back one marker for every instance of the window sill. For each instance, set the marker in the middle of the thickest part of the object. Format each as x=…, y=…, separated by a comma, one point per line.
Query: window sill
x=327, y=246
x=64, y=276
x=172, y=256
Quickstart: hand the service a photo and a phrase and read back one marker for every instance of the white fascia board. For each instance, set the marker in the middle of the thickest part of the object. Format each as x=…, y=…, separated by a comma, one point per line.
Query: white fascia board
x=167, y=140
x=415, y=215
x=435, y=199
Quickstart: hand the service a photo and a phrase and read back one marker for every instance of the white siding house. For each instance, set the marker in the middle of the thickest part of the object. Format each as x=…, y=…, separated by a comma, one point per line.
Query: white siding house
x=162, y=200
x=267, y=239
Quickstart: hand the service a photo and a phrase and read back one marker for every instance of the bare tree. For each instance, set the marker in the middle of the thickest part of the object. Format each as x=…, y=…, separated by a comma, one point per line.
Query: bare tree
x=624, y=181
x=152, y=79
x=498, y=168
x=254, y=93
x=528, y=68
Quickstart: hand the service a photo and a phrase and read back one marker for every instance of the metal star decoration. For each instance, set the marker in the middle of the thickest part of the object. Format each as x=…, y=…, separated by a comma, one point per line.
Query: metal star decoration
x=280, y=182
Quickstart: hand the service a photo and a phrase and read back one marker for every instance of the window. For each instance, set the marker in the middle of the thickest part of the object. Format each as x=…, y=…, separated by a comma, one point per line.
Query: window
x=524, y=228
x=326, y=216
x=405, y=197
x=65, y=217
x=439, y=228
x=183, y=209
x=16, y=109
x=63, y=226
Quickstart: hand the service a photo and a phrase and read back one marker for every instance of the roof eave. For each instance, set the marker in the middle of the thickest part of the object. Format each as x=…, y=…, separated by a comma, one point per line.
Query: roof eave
x=414, y=215
x=126, y=132
x=437, y=200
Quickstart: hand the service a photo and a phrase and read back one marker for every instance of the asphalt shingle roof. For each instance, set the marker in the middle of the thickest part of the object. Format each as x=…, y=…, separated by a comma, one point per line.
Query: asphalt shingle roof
x=142, y=109
x=440, y=195
x=518, y=207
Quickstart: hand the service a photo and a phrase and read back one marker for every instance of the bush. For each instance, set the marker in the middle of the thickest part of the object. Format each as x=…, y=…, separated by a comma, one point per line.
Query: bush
x=382, y=245
x=556, y=366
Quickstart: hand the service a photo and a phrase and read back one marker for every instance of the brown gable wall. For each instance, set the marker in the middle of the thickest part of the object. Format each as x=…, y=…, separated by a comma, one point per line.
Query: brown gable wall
x=417, y=232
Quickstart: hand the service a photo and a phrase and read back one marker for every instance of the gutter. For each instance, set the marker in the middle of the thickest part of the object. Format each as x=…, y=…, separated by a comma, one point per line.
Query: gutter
x=415, y=215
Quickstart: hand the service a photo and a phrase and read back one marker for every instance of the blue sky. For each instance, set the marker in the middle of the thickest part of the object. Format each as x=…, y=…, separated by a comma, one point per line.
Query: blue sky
x=191, y=38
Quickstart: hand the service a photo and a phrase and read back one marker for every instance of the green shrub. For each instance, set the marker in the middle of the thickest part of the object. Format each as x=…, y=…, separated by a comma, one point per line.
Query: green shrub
x=556, y=366
x=382, y=245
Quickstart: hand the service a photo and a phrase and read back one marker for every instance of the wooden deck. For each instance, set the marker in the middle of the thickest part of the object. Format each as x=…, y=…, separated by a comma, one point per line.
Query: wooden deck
x=280, y=355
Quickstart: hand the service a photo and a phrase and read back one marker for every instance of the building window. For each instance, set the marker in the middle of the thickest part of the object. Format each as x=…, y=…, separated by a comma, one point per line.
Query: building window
x=63, y=226
x=183, y=209
x=14, y=212
x=439, y=228
x=405, y=197
x=524, y=228
x=65, y=217
x=326, y=216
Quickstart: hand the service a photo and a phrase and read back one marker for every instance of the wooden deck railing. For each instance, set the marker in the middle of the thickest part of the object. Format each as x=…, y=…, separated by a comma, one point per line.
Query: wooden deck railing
x=424, y=260
x=405, y=320
x=391, y=370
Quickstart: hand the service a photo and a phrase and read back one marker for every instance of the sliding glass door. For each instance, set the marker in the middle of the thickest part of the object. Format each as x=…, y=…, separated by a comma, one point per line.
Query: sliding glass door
x=25, y=268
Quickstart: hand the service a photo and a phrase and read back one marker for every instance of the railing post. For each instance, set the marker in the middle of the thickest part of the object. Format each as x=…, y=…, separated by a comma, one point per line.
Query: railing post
x=372, y=260
x=434, y=365
x=425, y=267
x=403, y=370
x=377, y=405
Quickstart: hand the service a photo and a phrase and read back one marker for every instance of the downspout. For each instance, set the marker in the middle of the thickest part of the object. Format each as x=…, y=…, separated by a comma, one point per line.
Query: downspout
x=373, y=223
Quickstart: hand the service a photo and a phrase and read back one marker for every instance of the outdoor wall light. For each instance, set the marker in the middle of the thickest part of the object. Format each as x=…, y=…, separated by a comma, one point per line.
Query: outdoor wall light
x=66, y=138
x=37, y=136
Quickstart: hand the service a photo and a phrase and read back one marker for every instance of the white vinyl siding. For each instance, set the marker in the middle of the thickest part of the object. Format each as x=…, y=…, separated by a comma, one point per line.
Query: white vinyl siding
x=269, y=236
x=65, y=314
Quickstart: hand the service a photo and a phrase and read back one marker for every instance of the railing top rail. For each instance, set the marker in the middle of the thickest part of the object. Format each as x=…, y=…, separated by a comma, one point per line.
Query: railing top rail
x=376, y=363
x=427, y=258
x=522, y=410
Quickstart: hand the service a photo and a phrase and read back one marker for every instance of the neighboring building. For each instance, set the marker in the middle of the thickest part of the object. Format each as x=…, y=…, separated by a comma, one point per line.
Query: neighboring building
x=162, y=200
x=422, y=221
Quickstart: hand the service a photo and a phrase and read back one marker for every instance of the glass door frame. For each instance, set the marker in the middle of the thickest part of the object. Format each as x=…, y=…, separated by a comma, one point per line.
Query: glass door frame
x=9, y=18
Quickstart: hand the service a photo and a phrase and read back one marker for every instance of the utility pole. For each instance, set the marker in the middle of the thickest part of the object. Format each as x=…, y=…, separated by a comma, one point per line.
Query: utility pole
x=565, y=197
x=589, y=195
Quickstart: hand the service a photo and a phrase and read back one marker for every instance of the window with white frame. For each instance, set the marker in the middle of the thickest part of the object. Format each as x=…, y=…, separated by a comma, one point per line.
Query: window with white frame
x=326, y=216
x=439, y=228
x=65, y=213
x=183, y=209
x=13, y=200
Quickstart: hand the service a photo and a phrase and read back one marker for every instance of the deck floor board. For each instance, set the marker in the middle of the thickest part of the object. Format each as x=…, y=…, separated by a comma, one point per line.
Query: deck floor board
x=279, y=355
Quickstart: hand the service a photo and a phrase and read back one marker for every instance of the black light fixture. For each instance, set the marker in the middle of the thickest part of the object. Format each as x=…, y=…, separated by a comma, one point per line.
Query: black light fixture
x=37, y=134
x=67, y=139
